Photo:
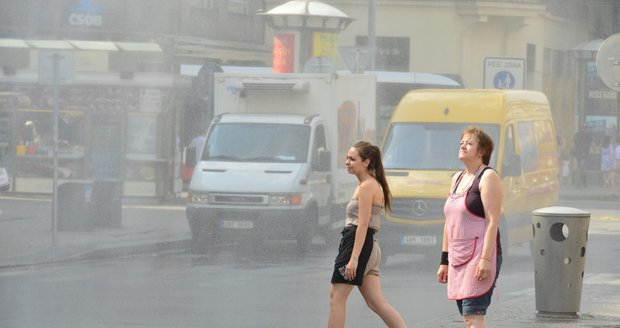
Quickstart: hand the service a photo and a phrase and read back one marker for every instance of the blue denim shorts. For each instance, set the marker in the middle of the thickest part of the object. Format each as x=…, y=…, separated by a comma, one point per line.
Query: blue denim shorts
x=479, y=305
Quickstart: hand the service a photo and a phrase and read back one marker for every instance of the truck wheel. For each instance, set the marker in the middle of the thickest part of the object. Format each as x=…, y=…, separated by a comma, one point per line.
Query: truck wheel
x=203, y=238
x=503, y=235
x=307, y=231
x=303, y=242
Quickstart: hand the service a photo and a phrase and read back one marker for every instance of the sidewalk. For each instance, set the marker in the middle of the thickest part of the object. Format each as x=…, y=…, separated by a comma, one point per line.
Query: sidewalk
x=600, y=308
x=27, y=241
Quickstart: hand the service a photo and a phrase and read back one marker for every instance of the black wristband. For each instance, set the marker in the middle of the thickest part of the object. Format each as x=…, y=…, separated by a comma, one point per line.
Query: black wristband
x=444, y=258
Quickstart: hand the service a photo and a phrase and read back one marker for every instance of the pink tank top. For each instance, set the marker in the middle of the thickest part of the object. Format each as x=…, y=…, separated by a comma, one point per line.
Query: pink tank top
x=465, y=232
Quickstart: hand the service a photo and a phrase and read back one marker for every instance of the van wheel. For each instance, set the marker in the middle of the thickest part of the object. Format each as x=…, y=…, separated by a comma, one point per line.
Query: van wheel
x=304, y=240
x=308, y=229
x=332, y=236
x=203, y=237
x=503, y=235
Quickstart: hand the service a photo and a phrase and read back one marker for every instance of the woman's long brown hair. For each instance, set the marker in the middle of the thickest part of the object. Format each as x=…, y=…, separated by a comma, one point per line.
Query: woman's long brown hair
x=372, y=153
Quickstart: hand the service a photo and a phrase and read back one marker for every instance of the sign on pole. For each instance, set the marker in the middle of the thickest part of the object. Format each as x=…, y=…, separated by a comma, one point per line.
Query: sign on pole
x=504, y=73
x=55, y=69
x=608, y=62
x=608, y=67
x=357, y=59
x=64, y=62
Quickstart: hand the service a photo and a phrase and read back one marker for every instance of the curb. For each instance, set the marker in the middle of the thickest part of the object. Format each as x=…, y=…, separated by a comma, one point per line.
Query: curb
x=47, y=258
x=122, y=251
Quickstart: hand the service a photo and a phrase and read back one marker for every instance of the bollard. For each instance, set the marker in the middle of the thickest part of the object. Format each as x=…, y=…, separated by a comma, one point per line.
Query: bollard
x=559, y=249
x=74, y=206
x=107, y=197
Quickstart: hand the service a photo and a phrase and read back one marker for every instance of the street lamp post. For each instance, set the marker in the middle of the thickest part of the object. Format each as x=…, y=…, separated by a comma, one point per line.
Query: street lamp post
x=303, y=29
x=372, y=37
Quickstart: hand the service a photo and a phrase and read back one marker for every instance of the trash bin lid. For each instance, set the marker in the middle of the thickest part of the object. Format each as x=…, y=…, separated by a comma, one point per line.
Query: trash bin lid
x=561, y=211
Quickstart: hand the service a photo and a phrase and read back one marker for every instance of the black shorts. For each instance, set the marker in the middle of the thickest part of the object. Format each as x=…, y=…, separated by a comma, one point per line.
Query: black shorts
x=344, y=255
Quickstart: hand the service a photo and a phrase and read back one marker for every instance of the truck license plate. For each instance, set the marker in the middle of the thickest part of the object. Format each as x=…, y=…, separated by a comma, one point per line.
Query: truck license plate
x=236, y=224
x=418, y=240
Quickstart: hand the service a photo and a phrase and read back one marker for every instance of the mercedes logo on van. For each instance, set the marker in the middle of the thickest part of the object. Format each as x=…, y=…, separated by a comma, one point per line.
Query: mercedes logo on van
x=419, y=207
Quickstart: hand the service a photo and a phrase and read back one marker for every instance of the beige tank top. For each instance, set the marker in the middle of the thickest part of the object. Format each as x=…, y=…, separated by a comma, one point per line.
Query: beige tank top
x=375, y=215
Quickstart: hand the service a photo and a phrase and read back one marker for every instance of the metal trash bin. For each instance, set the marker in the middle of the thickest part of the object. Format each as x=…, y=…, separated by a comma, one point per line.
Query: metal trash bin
x=74, y=206
x=107, y=196
x=559, y=249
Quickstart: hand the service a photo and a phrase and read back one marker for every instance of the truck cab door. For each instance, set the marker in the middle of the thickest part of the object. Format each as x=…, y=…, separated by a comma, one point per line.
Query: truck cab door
x=319, y=179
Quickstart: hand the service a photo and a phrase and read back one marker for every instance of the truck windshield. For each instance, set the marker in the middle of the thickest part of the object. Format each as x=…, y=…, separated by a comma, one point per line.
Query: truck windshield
x=253, y=142
x=429, y=146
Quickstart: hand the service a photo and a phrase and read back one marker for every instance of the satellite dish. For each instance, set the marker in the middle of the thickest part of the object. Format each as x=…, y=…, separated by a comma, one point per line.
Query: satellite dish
x=608, y=62
x=319, y=65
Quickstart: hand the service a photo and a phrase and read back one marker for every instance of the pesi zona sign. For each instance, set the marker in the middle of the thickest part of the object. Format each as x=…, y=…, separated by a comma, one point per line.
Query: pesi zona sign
x=504, y=73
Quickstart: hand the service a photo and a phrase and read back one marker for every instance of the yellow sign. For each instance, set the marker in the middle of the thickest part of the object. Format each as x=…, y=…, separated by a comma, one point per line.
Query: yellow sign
x=324, y=44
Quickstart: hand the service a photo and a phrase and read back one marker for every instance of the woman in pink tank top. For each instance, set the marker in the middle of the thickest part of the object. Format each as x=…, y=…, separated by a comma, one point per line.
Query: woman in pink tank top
x=471, y=252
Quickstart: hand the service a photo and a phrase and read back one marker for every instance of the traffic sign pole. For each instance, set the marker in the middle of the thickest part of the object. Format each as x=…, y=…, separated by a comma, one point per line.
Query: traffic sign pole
x=56, y=60
x=55, y=68
x=608, y=68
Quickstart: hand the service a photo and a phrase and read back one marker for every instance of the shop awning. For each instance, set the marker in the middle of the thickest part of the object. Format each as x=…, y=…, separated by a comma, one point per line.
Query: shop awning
x=13, y=43
x=80, y=45
x=588, y=49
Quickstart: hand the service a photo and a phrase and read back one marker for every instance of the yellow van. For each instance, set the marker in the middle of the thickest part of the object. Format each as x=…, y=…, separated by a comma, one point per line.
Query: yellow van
x=420, y=155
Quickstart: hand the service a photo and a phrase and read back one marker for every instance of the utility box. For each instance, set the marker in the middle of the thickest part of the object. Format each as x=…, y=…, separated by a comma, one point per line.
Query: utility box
x=106, y=203
x=559, y=249
x=74, y=206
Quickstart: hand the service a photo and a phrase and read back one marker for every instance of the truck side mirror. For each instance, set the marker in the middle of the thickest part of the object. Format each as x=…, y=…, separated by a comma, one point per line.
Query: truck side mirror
x=189, y=156
x=324, y=158
x=512, y=166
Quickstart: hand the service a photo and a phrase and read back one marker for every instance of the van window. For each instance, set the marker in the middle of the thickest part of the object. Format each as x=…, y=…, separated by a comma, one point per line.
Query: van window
x=509, y=147
x=509, y=142
x=428, y=146
x=257, y=142
x=527, y=146
x=547, y=149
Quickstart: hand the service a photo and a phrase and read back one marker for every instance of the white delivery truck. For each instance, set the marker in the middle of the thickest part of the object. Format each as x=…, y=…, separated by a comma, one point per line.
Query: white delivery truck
x=273, y=163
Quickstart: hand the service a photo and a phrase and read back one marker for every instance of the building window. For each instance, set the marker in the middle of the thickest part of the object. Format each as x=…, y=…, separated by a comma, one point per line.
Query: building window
x=531, y=58
x=241, y=7
x=202, y=4
x=392, y=52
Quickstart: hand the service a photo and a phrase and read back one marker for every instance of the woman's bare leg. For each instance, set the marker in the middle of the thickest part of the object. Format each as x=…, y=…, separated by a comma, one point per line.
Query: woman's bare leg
x=371, y=290
x=475, y=321
x=338, y=295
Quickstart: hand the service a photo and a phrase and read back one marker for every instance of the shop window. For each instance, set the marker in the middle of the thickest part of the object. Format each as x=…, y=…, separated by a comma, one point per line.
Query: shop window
x=35, y=135
x=141, y=147
x=531, y=58
x=241, y=7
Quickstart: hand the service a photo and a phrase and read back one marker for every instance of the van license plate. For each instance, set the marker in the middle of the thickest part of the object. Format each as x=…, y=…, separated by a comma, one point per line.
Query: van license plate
x=418, y=240
x=235, y=224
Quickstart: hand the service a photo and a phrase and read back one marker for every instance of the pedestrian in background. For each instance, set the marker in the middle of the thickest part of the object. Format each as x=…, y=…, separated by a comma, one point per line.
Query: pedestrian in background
x=197, y=145
x=359, y=255
x=582, y=142
x=607, y=160
x=471, y=251
x=615, y=175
